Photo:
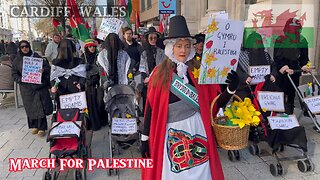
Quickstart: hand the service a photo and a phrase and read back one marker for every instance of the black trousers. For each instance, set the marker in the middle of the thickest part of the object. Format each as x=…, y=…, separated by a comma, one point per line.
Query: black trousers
x=40, y=124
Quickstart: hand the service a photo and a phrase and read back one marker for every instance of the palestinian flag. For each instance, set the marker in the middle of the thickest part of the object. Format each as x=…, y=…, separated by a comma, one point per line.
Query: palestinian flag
x=78, y=28
x=57, y=24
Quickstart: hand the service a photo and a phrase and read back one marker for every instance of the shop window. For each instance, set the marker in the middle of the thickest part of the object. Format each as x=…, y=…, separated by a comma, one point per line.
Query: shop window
x=143, y=7
x=148, y=4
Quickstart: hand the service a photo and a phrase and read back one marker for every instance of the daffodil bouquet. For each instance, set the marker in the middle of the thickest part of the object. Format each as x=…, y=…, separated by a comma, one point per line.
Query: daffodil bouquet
x=242, y=114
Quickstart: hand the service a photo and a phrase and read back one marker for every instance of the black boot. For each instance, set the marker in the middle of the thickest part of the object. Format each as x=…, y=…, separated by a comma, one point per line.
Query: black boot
x=289, y=109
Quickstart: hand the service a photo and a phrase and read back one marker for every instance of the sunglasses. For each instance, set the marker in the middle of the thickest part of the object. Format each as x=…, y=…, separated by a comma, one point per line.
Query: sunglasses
x=91, y=46
x=153, y=38
x=26, y=46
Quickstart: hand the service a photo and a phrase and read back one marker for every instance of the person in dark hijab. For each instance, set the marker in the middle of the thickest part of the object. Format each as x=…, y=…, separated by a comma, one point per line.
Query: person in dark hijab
x=68, y=74
x=291, y=53
x=114, y=61
x=253, y=54
x=35, y=97
x=92, y=84
x=198, y=46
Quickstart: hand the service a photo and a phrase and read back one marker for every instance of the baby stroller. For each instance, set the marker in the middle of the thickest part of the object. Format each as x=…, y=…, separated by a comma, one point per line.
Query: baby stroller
x=68, y=137
x=123, y=120
x=278, y=138
x=308, y=91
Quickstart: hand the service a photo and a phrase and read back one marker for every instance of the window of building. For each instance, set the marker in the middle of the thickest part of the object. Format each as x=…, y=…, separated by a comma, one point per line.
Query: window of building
x=143, y=7
x=1, y=20
x=148, y=4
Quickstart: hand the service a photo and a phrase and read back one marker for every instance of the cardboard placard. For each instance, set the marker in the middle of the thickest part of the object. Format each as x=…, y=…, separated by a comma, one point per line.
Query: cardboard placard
x=65, y=128
x=271, y=101
x=221, y=50
x=313, y=104
x=109, y=25
x=283, y=122
x=123, y=126
x=31, y=70
x=258, y=73
x=75, y=100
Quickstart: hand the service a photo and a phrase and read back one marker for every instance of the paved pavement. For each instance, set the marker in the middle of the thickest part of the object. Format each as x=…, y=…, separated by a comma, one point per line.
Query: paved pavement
x=17, y=141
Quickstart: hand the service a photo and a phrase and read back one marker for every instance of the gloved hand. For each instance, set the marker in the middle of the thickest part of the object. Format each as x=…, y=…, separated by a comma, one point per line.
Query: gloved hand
x=144, y=149
x=232, y=80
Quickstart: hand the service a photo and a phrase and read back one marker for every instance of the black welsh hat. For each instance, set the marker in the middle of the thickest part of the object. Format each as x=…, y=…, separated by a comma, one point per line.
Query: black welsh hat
x=178, y=28
x=152, y=30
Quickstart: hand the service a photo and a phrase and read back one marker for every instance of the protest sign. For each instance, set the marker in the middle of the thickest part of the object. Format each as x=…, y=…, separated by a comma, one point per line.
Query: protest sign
x=287, y=122
x=258, y=73
x=313, y=104
x=75, y=100
x=271, y=101
x=31, y=70
x=221, y=50
x=124, y=126
x=109, y=25
x=65, y=128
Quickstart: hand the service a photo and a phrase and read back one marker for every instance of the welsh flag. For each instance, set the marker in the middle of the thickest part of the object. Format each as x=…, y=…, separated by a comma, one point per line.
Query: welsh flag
x=78, y=28
x=128, y=4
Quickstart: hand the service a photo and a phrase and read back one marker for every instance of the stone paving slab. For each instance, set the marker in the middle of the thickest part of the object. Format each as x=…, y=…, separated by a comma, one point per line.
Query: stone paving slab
x=17, y=141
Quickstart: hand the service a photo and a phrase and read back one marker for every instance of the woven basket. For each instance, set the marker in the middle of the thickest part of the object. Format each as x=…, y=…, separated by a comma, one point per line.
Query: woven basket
x=229, y=137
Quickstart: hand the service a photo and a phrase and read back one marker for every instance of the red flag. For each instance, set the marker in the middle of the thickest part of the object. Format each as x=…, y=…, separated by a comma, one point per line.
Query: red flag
x=74, y=11
x=87, y=25
x=55, y=22
x=137, y=20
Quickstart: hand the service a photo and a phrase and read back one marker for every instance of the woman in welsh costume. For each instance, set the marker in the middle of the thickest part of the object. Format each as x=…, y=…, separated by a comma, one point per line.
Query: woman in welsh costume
x=177, y=132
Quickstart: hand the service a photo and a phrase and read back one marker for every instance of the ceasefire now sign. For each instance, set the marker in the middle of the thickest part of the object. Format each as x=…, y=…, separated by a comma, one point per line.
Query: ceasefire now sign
x=167, y=6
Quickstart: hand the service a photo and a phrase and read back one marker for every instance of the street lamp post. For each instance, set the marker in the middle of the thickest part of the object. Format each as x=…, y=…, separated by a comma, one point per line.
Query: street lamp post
x=29, y=28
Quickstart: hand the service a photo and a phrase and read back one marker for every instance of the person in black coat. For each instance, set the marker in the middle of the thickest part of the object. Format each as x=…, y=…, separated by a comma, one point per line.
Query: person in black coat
x=63, y=83
x=35, y=97
x=96, y=110
x=291, y=53
x=132, y=47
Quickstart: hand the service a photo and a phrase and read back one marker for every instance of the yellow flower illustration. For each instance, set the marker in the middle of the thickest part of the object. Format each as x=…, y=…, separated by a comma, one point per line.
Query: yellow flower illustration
x=196, y=72
x=130, y=76
x=212, y=72
x=224, y=72
x=213, y=26
x=264, y=110
x=210, y=57
x=198, y=58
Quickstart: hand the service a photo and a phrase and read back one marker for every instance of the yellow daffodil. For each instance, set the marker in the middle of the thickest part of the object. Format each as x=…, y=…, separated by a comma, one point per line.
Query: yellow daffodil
x=198, y=58
x=128, y=115
x=224, y=72
x=309, y=64
x=243, y=113
x=196, y=72
x=212, y=72
x=264, y=110
x=130, y=76
x=310, y=84
x=213, y=26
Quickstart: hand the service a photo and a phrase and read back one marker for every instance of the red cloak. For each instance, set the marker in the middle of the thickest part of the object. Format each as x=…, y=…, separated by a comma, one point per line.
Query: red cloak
x=158, y=98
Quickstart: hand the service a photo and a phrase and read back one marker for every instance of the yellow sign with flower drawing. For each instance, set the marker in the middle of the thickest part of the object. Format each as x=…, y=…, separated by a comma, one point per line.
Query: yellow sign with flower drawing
x=221, y=50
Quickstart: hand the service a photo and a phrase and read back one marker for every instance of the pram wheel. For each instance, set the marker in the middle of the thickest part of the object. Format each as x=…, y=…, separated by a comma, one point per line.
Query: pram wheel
x=233, y=155
x=254, y=149
x=305, y=165
x=276, y=169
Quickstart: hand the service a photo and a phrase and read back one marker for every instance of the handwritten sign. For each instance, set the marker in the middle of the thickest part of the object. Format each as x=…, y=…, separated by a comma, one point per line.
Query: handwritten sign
x=258, y=73
x=271, y=101
x=221, y=50
x=123, y=126
x=313, y=104
x=284, y=123
x=109, y=25
x=65, y=128
x=75, y=100
x=31, y=70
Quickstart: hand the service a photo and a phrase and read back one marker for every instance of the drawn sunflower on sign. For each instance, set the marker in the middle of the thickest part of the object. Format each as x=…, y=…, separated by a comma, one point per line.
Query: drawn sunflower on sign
x=224, y=72
x=212, y=72
x=213, y=26
x=210, y=57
